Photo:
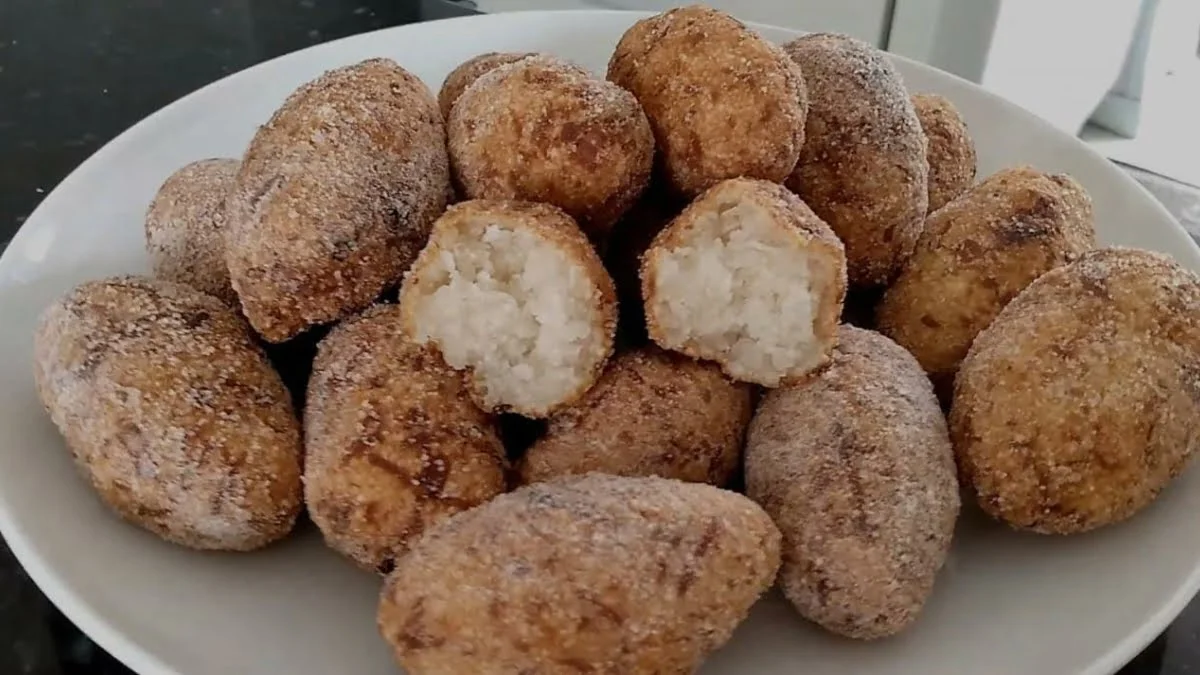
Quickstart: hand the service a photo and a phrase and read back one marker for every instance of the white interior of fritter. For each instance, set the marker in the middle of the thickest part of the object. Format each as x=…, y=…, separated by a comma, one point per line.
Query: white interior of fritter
x=516, y=310
x=738, y=289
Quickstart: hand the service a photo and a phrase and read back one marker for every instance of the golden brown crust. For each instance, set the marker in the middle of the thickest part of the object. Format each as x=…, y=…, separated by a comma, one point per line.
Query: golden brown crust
x=542, y=129
x=185, y=227
x=335, y=197
x=393, y=443
x=550, y=224
x=976, y=254
x=723, y=102
x=465, y=74
x=597, y=574
x=863, y=168
x=652, y=413
x=856, y=469
x=171, y=411
x=784, y=208
x=950, y=149
x=1078, y=404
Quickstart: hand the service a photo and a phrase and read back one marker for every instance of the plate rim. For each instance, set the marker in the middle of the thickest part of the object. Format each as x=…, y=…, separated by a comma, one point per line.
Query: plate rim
x=126, y=649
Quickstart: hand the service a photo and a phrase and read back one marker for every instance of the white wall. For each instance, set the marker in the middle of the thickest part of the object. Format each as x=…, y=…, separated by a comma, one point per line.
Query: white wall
x=1057, y=58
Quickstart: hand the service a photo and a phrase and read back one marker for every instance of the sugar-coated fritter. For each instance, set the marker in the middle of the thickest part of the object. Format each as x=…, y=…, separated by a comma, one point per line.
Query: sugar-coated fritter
x=585, y=574
x=950, y=151
x=723, y=101
x=393, y=443
x=856, y=469
x=335, y=197
x=652, y=413
x=171, y=411
x=976, y=254
x=545, y=130
x=863, y=167
x=1081, y=401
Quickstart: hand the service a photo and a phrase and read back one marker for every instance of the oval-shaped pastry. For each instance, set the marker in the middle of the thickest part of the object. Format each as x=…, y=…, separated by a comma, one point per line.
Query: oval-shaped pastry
x=652, y=413
x=723, y=101
x=1081, y=401
x=185, y=227
x=863, y=167
x=856, y=469
x=335, y=197
x=975, y=255
x=585, y=574
x=393, y=443
x=171, y=411
x=545, y=130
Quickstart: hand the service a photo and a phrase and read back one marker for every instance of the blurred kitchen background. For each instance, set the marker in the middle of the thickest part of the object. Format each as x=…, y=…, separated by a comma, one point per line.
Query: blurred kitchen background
x=1124, y=75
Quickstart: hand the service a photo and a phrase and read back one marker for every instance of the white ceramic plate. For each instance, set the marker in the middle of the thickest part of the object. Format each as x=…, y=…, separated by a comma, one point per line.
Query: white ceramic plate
x=1005, y=603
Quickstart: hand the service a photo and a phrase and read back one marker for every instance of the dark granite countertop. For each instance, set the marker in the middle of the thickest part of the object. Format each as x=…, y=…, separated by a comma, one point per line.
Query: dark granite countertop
x=75, y=74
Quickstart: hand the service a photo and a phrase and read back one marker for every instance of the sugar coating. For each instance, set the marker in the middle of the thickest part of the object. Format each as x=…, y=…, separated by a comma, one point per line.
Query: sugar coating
x=863, y=167
x=393, y=443
x=595, y=573
x=465, y=73
x=976, y=254
x=543, y=129
x=652, y=413
x=335, y=197
x=856, y=469
x=185, y=227
x=171, y=411
x=950, y=151
x=723, y=102
x=1081, y=401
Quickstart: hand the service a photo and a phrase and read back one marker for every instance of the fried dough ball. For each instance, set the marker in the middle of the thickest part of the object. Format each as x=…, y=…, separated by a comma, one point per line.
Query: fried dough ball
x=652, y=413
x=975, y=255
x=335, y=197
x=950, y=149
x=856, y=469
x=393, y=443
x=1078, y=404
x=545, y=130
x=185, y=227
x=513, y=294
x=171, y=411
x=723, y=102
x=863, y=168
x=749, y=277
x=584, y=574
x=465, y=74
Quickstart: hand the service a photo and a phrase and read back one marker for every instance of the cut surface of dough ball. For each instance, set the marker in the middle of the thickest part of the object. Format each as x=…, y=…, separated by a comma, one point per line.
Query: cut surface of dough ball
x=749, y=277
x=514, y=293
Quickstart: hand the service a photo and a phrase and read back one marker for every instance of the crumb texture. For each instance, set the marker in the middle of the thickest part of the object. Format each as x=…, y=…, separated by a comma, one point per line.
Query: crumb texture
x=171, y=411
x=603, y=574
x=513, y=293
x=856, y=469
x=749, y=277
